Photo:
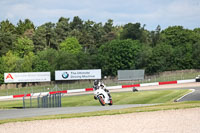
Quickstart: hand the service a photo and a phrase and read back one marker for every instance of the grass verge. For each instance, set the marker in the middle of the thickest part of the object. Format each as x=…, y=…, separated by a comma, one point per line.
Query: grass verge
x=141, y=97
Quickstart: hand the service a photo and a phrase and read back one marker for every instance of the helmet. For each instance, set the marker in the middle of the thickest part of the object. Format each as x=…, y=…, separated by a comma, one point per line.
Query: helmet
x=96, y=82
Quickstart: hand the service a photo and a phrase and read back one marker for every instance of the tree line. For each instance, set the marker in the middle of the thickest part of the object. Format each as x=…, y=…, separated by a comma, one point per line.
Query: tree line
x=78, y=44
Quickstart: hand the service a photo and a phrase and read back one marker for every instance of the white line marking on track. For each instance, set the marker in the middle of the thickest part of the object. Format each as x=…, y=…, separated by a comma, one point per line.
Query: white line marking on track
x=193, y=90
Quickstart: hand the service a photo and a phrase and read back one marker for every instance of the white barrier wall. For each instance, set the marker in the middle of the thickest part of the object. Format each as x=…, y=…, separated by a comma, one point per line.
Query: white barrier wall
x=186, y=81
x=149, y=84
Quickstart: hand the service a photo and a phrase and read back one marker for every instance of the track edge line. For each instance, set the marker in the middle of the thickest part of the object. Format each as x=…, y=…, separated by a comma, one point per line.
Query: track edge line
x=193, y=90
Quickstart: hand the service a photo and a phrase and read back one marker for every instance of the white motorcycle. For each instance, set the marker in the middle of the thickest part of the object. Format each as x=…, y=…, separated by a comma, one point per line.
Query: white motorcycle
x=103, y=96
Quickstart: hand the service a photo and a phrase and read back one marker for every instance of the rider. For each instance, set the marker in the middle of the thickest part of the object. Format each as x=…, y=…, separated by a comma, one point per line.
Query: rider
x=100, y=85
x=96, y=85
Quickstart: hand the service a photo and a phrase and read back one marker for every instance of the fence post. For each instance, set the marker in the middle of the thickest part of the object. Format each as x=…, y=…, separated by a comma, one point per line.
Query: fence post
x=47, y=101
x=60, y=99
x=30, y=101
x=24, y=106
x=56, y=100
x=50, y=100
x=42, y=102
x=38, y=100
x=53, y=101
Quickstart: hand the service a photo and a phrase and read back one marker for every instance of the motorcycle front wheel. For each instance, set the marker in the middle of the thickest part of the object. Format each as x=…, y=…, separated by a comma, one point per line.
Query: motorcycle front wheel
x=101, y=100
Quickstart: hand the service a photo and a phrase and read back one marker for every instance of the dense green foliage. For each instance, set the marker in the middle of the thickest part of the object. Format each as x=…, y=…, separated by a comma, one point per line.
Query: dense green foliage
x=118, y=54
x=79, y=44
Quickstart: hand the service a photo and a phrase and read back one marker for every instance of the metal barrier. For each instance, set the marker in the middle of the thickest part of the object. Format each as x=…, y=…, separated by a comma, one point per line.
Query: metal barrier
x=47, y=101
x=27, y=103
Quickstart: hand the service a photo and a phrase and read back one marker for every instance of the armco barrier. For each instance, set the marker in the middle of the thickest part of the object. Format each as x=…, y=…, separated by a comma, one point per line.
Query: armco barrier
x=109, y=87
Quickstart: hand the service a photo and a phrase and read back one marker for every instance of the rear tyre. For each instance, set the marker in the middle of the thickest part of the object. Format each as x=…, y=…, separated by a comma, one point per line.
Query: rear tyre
x=111, y=102
x=101, y=100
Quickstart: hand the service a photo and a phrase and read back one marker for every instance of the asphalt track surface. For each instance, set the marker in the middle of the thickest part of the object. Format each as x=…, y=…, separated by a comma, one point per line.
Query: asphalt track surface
x=194, y=96
x=22, y=113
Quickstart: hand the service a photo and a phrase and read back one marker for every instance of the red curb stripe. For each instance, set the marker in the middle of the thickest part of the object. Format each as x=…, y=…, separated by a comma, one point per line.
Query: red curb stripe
x=65, y=91
x=22, y=95
x=167, y=82
x=89, y=89
x=28, y=95
x=54, y=92
x=128, y=86
x=16, y=96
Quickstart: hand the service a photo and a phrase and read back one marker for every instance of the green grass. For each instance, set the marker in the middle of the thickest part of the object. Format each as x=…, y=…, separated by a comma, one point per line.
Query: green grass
x=141, y=97
x=11, y=104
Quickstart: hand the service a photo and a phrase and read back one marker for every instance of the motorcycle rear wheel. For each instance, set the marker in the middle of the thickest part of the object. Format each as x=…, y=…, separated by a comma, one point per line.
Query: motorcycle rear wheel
x=111, y=103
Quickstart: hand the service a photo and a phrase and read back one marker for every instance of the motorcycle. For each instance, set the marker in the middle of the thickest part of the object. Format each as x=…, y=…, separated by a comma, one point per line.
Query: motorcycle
x=103, y=96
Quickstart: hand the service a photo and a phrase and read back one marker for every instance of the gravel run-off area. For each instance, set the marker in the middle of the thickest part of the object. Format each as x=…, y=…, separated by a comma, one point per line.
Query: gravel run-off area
x=170, y=121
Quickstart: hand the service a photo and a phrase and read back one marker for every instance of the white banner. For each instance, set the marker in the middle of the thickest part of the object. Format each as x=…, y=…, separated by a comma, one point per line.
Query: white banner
x=27, y=77
x=77, y=74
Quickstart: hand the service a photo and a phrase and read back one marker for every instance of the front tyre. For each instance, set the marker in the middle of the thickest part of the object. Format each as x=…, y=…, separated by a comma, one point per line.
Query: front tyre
x=101, y=100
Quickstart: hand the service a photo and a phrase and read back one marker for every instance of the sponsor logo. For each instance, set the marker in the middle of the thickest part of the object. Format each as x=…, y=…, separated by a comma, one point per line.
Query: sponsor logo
x=65, y=75
x=9, y=76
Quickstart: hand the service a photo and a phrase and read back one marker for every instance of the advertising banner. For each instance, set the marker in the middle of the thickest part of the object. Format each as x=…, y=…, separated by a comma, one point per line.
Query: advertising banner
x=77, y=74
x=27, y=77
x=130, y=74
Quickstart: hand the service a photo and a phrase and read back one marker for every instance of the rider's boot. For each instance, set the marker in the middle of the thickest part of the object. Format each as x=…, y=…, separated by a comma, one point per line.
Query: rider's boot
x=109, y=96
x=108, y=93
x=95, y=97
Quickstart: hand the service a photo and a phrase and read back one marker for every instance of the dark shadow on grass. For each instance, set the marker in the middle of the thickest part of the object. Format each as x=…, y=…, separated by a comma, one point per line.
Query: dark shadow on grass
x=17, y=107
